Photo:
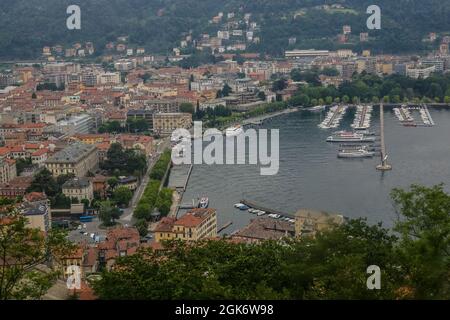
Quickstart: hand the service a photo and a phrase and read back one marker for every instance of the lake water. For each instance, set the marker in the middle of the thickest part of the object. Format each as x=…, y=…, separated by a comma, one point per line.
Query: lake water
x=311, y=175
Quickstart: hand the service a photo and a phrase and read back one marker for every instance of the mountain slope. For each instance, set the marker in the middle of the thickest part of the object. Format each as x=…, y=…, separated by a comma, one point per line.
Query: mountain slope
x=28, y=25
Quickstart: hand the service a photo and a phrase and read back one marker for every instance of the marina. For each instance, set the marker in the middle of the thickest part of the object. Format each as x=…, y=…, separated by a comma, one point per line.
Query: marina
x=363, y=117
x=310, y=170
x=333, y=117
x=405, y=116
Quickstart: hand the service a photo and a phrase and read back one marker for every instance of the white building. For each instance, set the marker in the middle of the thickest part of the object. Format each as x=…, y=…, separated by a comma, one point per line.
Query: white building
x=420, y=72
x=109, y=78
x=82, y=123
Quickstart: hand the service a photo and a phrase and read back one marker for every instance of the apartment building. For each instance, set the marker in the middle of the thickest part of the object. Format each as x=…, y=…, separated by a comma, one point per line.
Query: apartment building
x=165, y=123
x=36, y=209
x=80, y=188
x=77, y=158
x=195, y=225
x=7, y=170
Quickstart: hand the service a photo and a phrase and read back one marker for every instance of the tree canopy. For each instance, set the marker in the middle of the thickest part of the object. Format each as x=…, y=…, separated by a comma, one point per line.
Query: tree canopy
x=414, y=262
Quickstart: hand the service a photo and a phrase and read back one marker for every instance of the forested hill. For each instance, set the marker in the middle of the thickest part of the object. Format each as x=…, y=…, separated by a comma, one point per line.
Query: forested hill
x=28, y=25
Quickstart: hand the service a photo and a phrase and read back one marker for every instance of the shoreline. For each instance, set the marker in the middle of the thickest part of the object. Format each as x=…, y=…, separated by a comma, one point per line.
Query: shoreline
x=259, y=120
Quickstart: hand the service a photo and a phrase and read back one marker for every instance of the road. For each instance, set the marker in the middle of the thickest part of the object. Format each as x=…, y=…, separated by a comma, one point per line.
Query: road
x=127, y=216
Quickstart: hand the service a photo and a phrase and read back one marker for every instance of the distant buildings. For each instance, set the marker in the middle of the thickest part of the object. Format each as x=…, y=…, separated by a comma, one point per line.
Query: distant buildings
x=7, y=170
x=146, y=115
x=437, y=63
x=363, y=37
x=79, y=188
x=77, y=158
x=420, y=72
x=36, y=209
x=16, y=187
x=165, y=123
x=306, y=53
x=82, y=123
x=261, y=229
x=195, y=225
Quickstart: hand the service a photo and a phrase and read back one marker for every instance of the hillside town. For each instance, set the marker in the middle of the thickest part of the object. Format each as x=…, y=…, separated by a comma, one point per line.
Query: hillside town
x=80, y=137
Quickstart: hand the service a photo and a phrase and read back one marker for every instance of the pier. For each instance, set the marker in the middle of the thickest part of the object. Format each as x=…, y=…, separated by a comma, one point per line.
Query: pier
x=383, y=166
x=406, y=119
x=362, y=118
x=178, y=180
x=256, y=206
x=260, y=119
x=333, y=117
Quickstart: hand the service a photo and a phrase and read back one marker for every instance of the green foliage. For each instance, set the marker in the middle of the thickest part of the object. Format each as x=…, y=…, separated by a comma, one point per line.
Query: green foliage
x=279, y=85
x=122, y=196
x=125, y=162
x=137, y=125
x=271, y=270
x=369, y=88
x=22, y=164
x=43, y=181
x=49, y=86
x=197, y=59
x=160, y=167
x=21, y=247
x=164, y=201
x=154, y=197
x=187, y=107
x=142, y=227
x=105, y=20
x=111, y=127
x=108, y=213
x=424, y=227
x=332, y=265
x=225, y=92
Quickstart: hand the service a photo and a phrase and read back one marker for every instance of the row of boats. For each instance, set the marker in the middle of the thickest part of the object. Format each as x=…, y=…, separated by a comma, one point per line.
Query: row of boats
x=426, y=117
x=353, y=150
x=260, y=213
x=333, y=117
x=403, y=114
x=363, y=118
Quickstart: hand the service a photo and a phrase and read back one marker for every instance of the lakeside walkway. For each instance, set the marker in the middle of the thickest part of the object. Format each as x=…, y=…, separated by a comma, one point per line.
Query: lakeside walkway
x=259, y=120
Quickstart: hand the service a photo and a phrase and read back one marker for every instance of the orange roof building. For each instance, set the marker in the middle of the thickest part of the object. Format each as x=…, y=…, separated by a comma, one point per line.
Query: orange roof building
x=195, y=225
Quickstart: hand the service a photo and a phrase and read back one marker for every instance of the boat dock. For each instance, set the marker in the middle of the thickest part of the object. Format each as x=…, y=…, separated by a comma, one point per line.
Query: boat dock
x=426, y=116
x=406, y=119
x=362, y=118
x=333, y=117
x=261, y=119
x=256, y=206
x=178, y=181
